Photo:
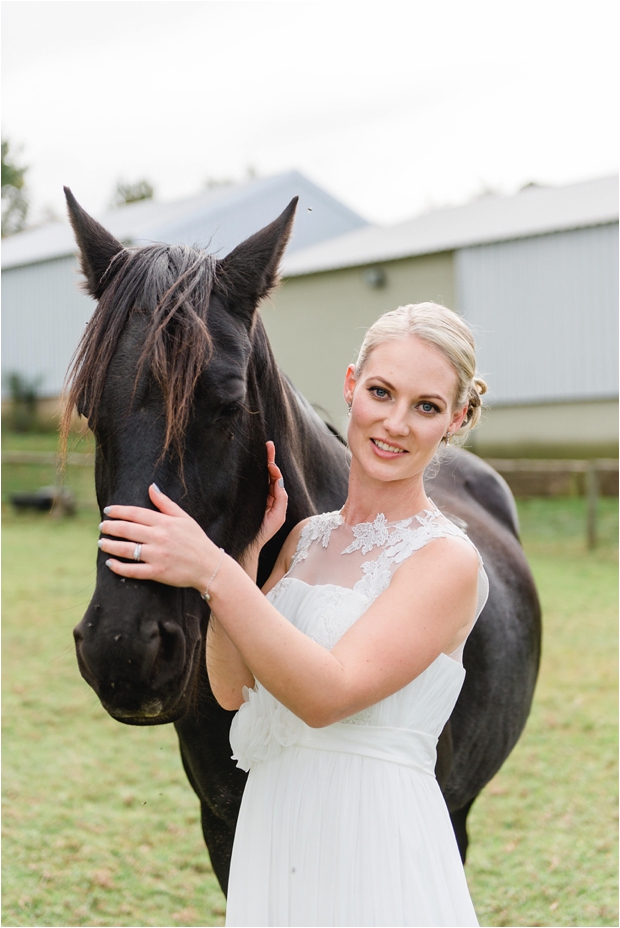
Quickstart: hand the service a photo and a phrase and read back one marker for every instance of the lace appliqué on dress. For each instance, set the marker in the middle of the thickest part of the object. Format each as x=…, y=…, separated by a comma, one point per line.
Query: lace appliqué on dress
x=333, y=616
x=399, y=540
x=319, y=528
x=282, y=584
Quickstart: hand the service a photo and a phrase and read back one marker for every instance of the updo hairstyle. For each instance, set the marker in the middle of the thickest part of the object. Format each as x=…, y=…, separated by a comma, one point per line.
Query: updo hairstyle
x=439, y=326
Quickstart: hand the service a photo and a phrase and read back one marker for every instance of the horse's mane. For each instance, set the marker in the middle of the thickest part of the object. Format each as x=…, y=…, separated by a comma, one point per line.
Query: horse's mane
x=171, y=285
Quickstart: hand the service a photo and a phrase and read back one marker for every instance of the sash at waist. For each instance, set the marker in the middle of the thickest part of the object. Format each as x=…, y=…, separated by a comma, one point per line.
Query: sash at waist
x=263, y=727
x=395, y=745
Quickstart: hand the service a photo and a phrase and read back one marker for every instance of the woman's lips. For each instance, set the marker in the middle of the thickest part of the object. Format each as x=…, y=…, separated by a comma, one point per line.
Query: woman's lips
x=386, y=449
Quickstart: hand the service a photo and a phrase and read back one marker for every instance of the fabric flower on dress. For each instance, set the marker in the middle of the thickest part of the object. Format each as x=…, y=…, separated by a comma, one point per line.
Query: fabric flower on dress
x=261, y=727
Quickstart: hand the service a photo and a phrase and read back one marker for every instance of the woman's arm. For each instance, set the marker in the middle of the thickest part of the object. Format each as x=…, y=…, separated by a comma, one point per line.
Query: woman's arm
x=228, y=673
x=227, y=669
x=427, y=609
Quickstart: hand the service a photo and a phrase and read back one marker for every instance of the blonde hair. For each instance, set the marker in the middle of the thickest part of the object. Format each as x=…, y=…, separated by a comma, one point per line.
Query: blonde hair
x=443, y=328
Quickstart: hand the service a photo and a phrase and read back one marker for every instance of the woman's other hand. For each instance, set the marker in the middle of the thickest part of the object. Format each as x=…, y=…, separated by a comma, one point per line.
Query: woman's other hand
x=173, y=547
x=277, y=500
x=274, y=518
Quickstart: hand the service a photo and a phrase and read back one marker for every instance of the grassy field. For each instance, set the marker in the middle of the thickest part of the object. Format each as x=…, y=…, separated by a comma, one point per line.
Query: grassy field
x=101, y=827
x=544, y=831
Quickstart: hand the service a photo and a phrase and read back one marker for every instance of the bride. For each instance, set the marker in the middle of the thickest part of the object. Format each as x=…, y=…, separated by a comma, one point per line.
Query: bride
x=346, y=666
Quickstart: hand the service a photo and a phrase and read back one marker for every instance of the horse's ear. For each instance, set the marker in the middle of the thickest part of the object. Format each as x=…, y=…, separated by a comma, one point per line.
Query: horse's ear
x=97, y=246
x=250, y=271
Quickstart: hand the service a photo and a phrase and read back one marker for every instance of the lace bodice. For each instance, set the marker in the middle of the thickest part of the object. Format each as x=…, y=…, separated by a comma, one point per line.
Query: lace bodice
x=336, y=573
x=363, y=557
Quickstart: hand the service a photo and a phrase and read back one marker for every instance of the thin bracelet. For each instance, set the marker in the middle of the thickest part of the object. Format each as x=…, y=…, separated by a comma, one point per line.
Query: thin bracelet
x=205, y=595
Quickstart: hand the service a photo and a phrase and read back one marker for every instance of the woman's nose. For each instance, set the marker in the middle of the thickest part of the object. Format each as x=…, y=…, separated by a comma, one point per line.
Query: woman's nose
x=397, y=421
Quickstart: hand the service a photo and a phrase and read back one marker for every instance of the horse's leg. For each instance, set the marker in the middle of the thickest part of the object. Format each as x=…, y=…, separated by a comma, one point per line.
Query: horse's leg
x=219, y=840
x=218, y=785
x=459, y=823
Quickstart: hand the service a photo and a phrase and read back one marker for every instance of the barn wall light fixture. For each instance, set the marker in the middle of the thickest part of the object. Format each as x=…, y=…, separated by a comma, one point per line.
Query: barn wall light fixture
x=375, y=277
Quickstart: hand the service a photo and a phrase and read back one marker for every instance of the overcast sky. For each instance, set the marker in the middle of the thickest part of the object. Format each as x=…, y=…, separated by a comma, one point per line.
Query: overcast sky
x=394, y=107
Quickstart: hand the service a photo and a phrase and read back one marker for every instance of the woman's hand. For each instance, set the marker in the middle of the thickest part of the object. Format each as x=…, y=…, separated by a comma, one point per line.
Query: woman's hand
x=274, y=518
x=277, y=501
x=174, y=549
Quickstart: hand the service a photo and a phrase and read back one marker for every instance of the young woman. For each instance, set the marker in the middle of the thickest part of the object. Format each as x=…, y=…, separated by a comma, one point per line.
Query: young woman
x=347, y=665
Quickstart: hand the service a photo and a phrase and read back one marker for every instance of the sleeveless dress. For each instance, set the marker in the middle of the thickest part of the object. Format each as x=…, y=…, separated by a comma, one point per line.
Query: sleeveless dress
x=346, y=825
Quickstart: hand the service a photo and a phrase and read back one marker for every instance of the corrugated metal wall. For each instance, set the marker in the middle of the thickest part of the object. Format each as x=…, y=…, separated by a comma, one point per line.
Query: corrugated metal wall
x=545, y=313
x=43, y=318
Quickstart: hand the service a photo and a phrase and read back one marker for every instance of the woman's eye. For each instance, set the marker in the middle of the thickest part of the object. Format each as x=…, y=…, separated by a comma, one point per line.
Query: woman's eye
x=428, y=407
x=379, y=392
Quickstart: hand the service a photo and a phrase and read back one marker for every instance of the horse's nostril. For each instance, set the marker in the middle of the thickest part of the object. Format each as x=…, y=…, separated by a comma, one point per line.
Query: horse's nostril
x=171, y=653
x=169, y=634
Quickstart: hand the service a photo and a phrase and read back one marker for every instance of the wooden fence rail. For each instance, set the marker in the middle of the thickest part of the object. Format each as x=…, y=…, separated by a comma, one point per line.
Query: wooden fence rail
x=518, y=471
x=47, y=457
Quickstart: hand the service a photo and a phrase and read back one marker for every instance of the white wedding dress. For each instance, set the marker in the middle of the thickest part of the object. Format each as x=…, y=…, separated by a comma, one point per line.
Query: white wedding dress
x=346, y=825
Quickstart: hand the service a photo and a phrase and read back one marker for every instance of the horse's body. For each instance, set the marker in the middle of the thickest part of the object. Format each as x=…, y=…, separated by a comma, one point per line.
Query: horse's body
x=180, y=386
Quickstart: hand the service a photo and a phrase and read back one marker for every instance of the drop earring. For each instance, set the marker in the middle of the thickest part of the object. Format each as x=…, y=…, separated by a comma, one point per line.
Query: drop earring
x=349, y=405
x=446, y=438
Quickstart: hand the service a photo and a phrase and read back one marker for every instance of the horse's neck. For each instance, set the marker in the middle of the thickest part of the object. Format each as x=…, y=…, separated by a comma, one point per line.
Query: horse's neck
x=313, y=459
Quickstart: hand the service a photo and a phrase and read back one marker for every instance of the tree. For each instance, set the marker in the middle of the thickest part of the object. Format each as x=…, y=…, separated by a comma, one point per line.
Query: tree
x=132, y=193
x=24, y=401
x=14, y=196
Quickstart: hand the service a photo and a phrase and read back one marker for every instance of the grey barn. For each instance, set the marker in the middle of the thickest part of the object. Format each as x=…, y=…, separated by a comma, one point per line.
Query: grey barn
x=44, y=311
x=535, y=274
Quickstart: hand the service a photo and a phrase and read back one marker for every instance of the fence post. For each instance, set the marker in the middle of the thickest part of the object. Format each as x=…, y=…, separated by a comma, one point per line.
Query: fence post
x=592, y=503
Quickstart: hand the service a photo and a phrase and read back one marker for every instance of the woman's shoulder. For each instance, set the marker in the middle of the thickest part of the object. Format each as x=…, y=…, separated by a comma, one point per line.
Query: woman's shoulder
x=448, y=533
x=292, y=540
x=308, y=530
x=287, y=553
x=450, y=557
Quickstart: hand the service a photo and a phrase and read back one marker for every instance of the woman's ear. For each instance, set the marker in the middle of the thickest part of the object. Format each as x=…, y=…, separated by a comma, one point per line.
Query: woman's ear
x=349, y=384
x=457, y=420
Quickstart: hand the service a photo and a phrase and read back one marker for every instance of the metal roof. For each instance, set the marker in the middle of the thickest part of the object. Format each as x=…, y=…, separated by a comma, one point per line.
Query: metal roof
x=533, y=211
x=218, y=219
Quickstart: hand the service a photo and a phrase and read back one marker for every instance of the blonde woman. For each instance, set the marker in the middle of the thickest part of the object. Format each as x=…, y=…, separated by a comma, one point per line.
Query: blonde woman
x=346, y=666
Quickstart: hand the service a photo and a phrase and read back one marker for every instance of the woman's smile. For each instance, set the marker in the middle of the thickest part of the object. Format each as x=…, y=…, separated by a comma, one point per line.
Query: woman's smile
x=385, y=449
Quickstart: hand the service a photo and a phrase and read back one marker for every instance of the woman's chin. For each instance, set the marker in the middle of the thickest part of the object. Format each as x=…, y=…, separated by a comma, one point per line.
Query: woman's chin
x=388, y=468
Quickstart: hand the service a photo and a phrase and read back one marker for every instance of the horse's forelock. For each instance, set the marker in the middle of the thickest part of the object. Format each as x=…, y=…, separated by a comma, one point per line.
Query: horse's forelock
x=171, y=286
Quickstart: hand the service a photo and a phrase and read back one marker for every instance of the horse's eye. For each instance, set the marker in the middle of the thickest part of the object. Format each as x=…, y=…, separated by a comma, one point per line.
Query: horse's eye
x=226, y=412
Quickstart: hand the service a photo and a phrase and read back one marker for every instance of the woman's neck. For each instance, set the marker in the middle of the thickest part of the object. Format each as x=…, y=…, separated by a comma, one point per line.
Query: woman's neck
x=396, y=499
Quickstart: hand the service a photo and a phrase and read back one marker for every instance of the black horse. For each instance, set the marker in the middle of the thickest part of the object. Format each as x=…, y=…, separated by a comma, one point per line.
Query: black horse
x=177, y=379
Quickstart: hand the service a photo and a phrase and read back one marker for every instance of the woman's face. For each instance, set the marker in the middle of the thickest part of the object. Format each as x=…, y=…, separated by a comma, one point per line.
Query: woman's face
x=402, y=406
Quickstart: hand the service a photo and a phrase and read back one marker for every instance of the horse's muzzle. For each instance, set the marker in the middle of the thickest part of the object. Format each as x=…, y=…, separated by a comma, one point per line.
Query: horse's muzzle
x=140, y=670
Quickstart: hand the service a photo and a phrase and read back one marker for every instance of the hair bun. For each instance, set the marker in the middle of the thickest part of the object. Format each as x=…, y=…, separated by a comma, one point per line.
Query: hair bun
x=480, y=385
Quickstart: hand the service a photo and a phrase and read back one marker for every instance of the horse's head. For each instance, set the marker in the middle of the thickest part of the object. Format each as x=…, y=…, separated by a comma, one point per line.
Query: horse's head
x=169, y=375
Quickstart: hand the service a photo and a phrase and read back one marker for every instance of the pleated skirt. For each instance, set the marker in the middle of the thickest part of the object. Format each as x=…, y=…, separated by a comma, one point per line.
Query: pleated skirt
x=333, y=839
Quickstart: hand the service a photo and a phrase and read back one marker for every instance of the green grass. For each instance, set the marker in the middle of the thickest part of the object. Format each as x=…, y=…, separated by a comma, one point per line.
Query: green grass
x=102, y=828
x=544, y=831
x=100, y=824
